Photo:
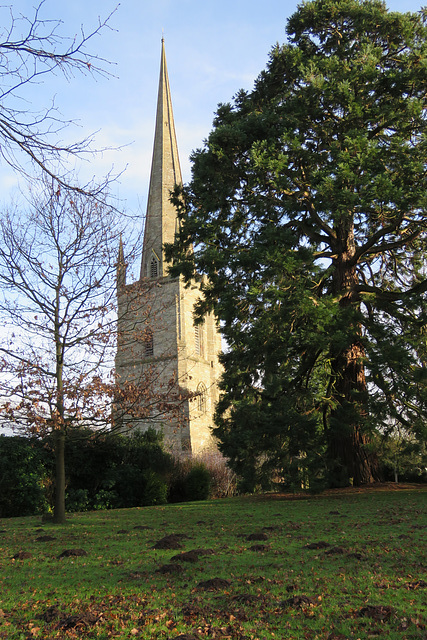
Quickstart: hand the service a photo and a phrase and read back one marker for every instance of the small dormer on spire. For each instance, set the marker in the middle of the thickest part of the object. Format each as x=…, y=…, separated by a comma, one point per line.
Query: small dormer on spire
x=161, y=216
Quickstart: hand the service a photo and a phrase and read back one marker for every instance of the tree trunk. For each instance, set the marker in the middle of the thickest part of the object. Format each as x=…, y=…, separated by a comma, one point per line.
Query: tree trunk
x=59, y=417
x=347, y=438
x=59, y=506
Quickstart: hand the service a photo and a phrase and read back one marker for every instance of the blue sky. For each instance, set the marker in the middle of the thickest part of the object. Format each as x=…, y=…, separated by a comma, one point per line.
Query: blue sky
x=213, y=48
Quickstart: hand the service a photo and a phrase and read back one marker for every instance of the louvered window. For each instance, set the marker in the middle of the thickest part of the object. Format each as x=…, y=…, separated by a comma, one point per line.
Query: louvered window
x=198, y=339
x=148, y=344
x=154, y=268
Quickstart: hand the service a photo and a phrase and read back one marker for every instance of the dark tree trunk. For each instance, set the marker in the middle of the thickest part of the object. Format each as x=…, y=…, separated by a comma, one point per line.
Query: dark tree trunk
x=59, y=506
x=347, y=437
x=58, y=418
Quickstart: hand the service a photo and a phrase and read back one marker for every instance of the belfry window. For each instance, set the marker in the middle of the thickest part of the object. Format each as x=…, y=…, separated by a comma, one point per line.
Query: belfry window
x=198, y=339
x=154, y=268
x=201, y=397
x=148, y=344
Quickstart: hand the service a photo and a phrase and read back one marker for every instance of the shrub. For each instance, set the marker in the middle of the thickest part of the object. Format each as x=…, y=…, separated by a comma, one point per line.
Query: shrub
x=103, y=471
x=176, y=479
x=199, y=478
x=197, y=482
x=223, y=479
x=105, y=499
x=22, y=476
x=77, y=500
x=138, y=488
x=115, y=471
x=155, y=490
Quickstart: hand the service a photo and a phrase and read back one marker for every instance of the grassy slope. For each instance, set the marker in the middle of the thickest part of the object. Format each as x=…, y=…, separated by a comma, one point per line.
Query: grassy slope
x=116, y=590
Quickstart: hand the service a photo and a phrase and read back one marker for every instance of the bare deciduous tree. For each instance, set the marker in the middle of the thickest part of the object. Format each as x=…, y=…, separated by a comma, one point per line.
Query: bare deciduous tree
x=58, y=267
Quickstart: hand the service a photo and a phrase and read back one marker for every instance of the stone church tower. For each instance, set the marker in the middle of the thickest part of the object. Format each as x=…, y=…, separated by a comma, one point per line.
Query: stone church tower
x=157, y=337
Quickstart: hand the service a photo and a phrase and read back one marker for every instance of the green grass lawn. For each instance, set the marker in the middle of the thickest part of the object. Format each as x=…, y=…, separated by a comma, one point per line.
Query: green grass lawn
x=259, y=571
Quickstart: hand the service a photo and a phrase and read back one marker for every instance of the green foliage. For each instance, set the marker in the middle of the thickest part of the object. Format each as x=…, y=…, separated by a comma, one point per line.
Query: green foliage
x=22, y=476
x=177, y=480
x=114, y=471
x=104, y=471
x=190, y=479
x=197, y=484
x=403, y=459
x=137, y=487
x=306, y=212
x=77, y=500
x=155, y=489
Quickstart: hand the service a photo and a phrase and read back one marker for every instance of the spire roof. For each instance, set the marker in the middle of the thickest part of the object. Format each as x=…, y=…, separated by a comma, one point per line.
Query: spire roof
x=161, y=217
x=121, y=265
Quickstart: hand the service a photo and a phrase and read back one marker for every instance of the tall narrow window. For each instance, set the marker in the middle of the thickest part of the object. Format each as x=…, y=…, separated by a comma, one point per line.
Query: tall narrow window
x=201, y=397
x=198, y=339
x=154, y=268
x=148, y=343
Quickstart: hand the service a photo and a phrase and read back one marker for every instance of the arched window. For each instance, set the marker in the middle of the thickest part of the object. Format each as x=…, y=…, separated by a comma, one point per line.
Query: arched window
x=201, y=397
x=148, y=343
x=154, y=268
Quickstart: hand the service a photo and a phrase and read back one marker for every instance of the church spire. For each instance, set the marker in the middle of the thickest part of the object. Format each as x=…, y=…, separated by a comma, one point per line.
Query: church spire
x=121, y=266
x=160, y=224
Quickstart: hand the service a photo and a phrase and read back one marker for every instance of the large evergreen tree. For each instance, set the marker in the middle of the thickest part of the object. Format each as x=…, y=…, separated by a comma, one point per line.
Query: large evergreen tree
x=306, y=211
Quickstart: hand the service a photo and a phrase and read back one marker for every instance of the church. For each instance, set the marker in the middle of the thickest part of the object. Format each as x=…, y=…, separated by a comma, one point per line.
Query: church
x=158, y=340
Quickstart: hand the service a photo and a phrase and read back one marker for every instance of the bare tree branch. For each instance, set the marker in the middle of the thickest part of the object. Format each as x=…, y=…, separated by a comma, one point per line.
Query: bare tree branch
x=31, y=48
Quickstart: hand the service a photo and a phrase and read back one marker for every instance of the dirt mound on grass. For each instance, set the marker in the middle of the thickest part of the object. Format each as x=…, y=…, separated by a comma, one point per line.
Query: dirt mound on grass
x=214, y=584
x=22, y=555
x=186, y=556
x=51, y=614
x=193, y=610
x=300, y=602
x=86, y=619
x=260, y=548
x=172, y=541
x=335, y=551
x=245, y=598
x=72, y=553
x=317, y=545
x=170, y=568
x=192, y=556
x=64, y=621
x=377, y=612
x=257, y=537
